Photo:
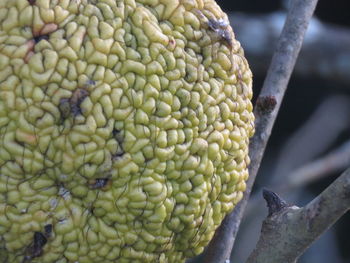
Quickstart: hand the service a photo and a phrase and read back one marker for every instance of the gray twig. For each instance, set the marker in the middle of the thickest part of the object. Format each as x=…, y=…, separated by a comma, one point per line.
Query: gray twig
x=321, y=57
x=335, y=161
x=296, y=164
x=272, y=93
x=286, y=234
x=312, y=139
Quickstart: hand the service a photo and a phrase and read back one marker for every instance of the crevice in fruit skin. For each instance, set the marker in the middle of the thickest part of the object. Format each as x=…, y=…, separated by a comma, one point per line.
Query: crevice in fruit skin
x=118, y=155
x=37, y=39
x=32, y=2
x=43, y=34
x=118, y=137
x=48, y=230
x=64, y=108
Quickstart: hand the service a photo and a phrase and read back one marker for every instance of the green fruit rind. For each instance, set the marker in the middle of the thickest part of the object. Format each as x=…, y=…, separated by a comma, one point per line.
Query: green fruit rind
x=124, y=129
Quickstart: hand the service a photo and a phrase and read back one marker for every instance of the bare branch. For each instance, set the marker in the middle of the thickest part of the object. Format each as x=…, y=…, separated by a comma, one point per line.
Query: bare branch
x=286, y=234
x=324, y=55
x=335, y=161
x=295, y=165
x=273, y=90
x=312, y=139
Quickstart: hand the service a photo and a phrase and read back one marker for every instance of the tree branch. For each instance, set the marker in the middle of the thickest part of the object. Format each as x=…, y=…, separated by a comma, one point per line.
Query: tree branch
x=321, y=57
x=295, y=165
x=312, y=139
x=272, y=93
x=286, y=234
x=335, y=161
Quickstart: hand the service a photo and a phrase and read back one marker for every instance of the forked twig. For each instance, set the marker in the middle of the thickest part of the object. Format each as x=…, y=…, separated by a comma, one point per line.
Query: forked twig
x=287, y=232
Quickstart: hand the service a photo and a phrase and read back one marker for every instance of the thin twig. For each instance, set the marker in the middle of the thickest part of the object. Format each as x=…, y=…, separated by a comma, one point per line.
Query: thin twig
x=295, y=165
x=312, y=139
x=335, y=161
x=325, y=58
x=266, y=110
x=286, y=234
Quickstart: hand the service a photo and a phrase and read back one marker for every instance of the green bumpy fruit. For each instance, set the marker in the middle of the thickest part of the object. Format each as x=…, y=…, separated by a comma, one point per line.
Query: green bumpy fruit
x=124, y=129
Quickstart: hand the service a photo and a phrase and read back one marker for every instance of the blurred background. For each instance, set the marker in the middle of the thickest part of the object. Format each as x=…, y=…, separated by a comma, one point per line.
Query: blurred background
x=310, y=143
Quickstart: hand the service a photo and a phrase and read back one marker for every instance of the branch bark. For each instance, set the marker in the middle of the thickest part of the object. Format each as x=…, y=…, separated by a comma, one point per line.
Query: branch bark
x=268, y=104
x=288, y=232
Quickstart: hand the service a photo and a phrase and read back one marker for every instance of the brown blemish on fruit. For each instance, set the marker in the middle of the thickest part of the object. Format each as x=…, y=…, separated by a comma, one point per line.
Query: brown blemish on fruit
x=45, y=30
x=35, y=249
x=221, y=28
x=71, y=105
x=77, y=98
x=99, y=183
x=30, y=50
x=171, y=43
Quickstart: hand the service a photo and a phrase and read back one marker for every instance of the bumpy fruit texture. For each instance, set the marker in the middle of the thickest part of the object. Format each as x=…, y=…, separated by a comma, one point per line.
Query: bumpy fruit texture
x=124, y=128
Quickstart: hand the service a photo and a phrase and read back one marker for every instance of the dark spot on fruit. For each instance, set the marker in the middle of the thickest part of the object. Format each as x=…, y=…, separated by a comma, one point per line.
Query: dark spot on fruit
x=32, y=2
x=225, y=36
x=68, y=106
x=115, y=132
x=48, y=230
x=39, y=242
x=35, y=249
x=77, y=98
x=118, y=136
x=217, y=24
x=90, y=82
x=117, y=155
x=220, y=27
x=37, y=39
x=64, y=108
x=171, y=43
x=98, y=183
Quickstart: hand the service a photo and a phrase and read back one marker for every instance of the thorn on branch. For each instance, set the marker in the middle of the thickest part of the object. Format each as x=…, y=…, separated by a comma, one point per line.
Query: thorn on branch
x=274, y=202
x=266, y=104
